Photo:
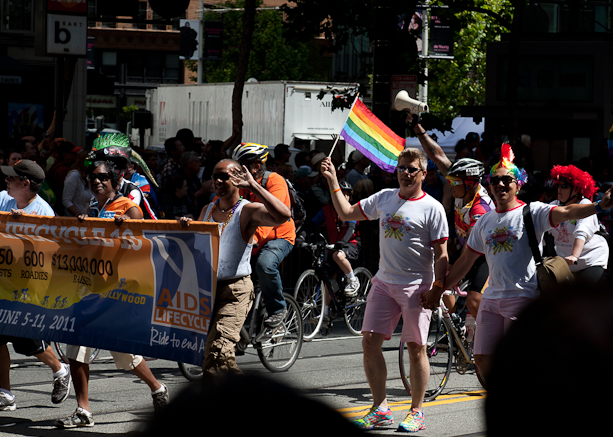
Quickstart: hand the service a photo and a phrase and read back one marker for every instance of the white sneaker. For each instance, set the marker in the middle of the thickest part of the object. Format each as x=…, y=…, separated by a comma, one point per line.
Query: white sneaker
x=7, y=402
x=352, y=287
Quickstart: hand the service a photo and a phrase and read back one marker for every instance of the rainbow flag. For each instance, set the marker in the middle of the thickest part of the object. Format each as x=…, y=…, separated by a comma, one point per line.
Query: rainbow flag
x=370, y=136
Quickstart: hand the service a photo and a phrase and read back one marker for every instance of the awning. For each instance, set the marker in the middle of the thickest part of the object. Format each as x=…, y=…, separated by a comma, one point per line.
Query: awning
x=325, y=137
x=305, y=137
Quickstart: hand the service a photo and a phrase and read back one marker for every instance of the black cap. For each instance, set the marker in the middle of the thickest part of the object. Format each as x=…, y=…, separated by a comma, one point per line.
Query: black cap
x=27, y=168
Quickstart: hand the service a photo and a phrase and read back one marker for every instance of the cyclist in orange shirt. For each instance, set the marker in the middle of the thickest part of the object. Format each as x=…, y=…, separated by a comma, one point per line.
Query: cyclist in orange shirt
x=273, y=243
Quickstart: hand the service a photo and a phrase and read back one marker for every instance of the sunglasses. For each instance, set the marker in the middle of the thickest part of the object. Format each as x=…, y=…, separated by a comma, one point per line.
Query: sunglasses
x=102, y=177
x=410, y=170
x=506, y=180
x=221, y=176
x=455, y=182
x=564, y=186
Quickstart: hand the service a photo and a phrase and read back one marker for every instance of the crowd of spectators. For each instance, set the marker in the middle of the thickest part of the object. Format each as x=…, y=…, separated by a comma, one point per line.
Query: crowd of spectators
x=182, y=183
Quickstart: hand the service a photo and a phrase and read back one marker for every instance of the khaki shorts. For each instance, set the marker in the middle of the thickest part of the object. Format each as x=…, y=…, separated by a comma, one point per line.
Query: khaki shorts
x=122, y=360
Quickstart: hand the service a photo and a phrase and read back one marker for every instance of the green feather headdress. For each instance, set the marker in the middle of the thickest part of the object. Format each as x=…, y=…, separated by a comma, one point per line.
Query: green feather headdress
x=116, y=147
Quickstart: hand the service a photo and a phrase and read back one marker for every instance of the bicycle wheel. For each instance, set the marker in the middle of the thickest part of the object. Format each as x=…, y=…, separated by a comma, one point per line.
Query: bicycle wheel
x=61, y=347
x=278, y=347
x=354, y=309
x=309, y=295
x=440, y=356
x=191, y=371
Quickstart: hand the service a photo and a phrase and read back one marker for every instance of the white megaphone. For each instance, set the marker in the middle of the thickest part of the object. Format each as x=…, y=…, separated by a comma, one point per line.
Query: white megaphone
x=403, y=101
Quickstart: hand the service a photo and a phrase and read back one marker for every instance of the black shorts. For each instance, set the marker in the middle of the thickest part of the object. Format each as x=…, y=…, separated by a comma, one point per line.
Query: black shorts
x=352, y=251
x=24, y=346
x=478, y=273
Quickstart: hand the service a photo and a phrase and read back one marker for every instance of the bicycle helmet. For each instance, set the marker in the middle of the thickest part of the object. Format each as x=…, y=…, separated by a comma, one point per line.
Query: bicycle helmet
x=250, y=152
x=345, y=186
x=467, y=168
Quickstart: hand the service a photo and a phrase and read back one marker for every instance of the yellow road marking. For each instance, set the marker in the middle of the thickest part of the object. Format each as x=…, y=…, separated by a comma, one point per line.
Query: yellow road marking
x=405, y=405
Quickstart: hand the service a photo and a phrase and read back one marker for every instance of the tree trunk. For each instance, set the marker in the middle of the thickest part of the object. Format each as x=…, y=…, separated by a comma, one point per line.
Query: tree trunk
x=241, y=73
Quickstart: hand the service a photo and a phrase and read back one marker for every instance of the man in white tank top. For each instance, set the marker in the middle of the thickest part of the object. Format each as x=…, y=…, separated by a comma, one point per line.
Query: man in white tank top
x=238, y=219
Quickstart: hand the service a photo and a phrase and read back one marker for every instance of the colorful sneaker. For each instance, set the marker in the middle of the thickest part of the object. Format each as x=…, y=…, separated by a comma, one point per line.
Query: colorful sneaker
x=79, y=418
x=413, y=422
x=7, y=402
x=375, y=417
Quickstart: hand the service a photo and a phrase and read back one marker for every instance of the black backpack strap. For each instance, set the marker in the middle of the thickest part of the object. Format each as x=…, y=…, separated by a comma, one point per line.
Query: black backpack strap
x=529, y=226
x=264, y=180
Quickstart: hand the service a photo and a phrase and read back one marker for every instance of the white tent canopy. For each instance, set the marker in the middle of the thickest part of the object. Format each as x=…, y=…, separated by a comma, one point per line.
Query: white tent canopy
x=460, y=127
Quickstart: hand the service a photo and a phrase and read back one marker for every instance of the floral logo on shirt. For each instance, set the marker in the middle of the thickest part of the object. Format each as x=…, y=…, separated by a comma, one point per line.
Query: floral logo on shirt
x=501, y=239
x=563, y=235
x=395, y=226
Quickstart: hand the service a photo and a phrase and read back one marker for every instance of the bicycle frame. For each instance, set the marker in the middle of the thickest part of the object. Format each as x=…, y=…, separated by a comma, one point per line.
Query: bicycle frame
x=319, y=253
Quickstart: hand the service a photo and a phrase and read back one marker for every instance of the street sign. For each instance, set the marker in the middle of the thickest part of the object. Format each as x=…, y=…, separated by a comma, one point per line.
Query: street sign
x=66, y=35
x=68, y=6
x=407, y=82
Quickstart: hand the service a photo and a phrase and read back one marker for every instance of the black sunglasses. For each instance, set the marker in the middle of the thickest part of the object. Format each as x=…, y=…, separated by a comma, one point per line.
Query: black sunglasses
x=411, y=170
x=220, y=176
x=564, y=186
x=102, y=177
x=506, y=180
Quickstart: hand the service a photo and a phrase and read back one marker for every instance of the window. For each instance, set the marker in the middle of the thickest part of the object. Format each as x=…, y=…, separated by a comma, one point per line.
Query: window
x=17, y=15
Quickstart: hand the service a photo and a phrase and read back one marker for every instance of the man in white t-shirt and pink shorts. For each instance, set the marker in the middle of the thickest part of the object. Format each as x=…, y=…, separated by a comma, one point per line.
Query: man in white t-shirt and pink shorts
x=413, y=247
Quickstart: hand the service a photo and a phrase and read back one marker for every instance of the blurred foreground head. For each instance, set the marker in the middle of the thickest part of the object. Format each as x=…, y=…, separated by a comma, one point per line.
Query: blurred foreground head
x=550, y=372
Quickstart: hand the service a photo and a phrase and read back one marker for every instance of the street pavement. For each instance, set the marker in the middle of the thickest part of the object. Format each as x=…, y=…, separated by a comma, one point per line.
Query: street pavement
x=329, y=370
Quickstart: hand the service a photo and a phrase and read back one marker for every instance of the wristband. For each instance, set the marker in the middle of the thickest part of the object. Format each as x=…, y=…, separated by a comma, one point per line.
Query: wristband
x=334, y=191
x=438, y=283
x=599, y=210
x=421, y=134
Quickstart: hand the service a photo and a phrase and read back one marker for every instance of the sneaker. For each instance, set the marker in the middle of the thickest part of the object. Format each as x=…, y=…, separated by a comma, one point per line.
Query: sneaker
x=276, y=319
x=61, y=387
x=413, y=422
x=79, y=418
x=375, y=417
x=352, y=287
x=160, y=400
x=7, y=402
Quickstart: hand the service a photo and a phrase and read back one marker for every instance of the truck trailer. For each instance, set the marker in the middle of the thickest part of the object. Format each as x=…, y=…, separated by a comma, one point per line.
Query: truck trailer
x=273, y=112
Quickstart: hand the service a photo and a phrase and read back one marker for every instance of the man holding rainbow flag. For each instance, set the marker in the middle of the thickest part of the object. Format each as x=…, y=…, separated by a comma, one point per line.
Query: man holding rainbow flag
x=413, y=247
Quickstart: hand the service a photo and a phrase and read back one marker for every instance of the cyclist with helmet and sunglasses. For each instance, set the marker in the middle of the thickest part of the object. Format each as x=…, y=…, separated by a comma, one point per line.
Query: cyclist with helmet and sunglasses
x=274, y=243
x=577, y=241
x=471, y=201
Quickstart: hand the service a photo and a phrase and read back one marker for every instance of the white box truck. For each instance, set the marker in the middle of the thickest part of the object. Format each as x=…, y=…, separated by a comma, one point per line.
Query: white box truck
x=273, y=112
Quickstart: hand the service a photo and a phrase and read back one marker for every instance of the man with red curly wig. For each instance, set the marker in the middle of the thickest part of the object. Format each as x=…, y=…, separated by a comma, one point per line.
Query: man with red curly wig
x=577, y=241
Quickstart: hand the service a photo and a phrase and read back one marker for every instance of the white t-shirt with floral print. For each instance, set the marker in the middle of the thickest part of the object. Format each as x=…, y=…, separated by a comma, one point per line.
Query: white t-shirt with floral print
x=501, y=236
x=409, y=227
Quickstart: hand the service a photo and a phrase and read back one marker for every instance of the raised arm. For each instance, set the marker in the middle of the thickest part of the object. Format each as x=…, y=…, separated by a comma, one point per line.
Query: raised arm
x=271, y=212
x=578, y=211
x=346, y=211
x=431, y=148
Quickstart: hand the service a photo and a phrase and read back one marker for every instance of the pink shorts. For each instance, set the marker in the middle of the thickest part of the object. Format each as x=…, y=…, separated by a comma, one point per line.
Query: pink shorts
x=494, y=318
x=386, y=303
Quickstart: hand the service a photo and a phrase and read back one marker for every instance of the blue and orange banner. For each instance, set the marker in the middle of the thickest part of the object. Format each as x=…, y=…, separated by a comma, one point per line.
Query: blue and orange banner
x=145, y=287
x=364, y=131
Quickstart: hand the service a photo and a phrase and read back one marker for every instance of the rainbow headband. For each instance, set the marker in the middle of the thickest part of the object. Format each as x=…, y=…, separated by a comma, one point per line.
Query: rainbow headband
x=506, y=161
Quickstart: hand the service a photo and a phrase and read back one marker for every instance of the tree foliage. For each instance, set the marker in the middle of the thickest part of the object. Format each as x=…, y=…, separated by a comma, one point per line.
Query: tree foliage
x=461, y=81
x=451, y=83
x=272, y=56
